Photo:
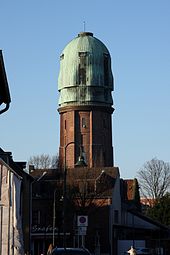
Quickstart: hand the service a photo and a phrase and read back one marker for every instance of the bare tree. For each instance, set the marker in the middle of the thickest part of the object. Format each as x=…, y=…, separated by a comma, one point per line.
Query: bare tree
x=44, y=161
x=154, y=179
x=54, y=161
x=88, y=193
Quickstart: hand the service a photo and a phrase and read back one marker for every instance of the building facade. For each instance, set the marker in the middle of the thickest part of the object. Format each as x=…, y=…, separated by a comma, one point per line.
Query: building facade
x=14, y=206
x=130, y=227
x=89, y=192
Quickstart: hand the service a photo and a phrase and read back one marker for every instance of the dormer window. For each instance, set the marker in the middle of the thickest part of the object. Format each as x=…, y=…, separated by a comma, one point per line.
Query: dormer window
x=82, y=67
x=106, y=68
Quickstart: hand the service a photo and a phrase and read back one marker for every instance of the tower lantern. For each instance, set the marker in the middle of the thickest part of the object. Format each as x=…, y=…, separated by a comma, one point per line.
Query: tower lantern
x=85, y=84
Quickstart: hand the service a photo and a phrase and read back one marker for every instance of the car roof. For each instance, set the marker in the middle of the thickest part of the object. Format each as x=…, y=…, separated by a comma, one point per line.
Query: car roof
x=70, y=251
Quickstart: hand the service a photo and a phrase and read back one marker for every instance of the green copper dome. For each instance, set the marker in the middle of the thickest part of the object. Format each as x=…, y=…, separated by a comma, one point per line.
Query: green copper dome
x=85, y=75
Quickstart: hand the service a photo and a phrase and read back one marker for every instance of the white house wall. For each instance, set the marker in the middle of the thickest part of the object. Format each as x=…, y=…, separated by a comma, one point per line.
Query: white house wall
x=11, y=241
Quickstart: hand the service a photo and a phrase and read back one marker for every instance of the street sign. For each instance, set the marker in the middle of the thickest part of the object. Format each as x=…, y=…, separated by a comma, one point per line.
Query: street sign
x=82, y=221
x=82, y=231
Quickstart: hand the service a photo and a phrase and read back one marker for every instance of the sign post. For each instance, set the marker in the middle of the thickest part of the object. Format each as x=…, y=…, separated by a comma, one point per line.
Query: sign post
x=82, y=223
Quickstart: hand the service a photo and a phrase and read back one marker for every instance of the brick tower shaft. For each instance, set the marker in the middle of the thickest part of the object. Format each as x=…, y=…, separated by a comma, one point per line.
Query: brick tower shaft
x=89, y=128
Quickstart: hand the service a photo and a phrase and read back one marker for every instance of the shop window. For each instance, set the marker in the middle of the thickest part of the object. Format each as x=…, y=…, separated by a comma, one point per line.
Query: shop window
x=36, y=217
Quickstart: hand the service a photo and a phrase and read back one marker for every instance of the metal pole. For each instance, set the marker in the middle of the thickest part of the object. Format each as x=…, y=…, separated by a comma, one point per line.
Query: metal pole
x=64, y=197
x=54, y=217
x=9, y=214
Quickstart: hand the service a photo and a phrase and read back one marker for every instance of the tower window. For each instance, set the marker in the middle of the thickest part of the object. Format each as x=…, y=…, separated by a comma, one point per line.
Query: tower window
x=83, y=123
x=62, y=57
x=82, y=67
x=106, y=68
x=81, y=137
x=65, y=124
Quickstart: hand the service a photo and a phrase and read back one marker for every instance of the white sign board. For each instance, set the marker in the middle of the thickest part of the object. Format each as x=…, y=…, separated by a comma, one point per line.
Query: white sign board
x=82, y=231
x=82, y=221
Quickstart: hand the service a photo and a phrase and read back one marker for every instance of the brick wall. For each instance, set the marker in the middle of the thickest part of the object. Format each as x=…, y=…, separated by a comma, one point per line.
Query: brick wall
x=90, y=128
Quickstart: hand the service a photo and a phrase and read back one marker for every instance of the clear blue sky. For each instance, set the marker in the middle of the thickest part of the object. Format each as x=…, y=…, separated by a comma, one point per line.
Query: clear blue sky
x=137, y=34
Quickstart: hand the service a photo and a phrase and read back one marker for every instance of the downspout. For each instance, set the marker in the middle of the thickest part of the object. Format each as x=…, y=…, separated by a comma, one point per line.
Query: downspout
x=13, y=220
x=9, y=212
x=5, y=109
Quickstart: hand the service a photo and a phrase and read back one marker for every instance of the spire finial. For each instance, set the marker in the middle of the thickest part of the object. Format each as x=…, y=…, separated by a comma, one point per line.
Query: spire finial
x=84, y=25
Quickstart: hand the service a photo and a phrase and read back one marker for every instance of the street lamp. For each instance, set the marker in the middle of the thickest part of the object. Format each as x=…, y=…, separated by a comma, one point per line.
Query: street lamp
x=79, y=163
